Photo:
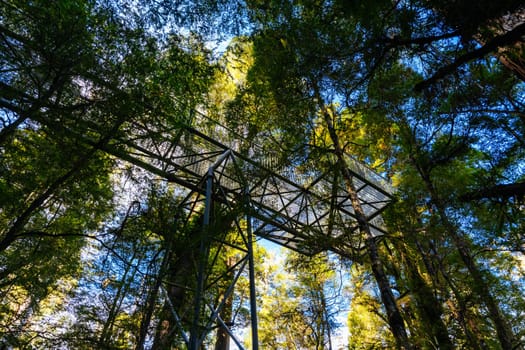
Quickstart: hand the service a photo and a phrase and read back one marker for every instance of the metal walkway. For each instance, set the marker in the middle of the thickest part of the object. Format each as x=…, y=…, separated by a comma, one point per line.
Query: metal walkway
x=305, y=210
x=308, y=211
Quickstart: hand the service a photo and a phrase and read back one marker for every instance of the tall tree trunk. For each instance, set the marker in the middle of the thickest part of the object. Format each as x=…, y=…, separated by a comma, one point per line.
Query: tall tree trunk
x=395, y=319
x=473, y=340
x=178, y=272
x=504, y=331
x=223, y=338
x=428, y=307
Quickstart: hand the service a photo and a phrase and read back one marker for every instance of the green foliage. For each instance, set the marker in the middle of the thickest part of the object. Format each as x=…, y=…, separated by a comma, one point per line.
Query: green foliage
x=366, y=325
x=83, y=81
x=48, y=247
x=300, y=303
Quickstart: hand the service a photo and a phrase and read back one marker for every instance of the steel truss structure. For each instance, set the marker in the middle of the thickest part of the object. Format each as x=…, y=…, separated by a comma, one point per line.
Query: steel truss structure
x=305, y=210
x=308, y=211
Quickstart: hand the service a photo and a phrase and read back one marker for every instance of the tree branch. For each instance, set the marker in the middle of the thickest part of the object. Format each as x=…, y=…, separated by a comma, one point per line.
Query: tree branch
x=499, y=191
x=397, y=41
x=506, y=39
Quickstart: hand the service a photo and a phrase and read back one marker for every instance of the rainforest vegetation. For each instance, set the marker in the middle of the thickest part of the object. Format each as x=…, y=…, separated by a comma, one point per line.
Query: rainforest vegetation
x=97, y=250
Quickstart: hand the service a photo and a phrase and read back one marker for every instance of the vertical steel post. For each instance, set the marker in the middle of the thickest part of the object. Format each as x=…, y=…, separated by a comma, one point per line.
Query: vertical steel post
x=195, y=337
x=251, y=266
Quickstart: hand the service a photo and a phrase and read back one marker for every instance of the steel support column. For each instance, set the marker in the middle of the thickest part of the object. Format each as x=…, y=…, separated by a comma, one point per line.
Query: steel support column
x=195, y=338
x=253, y=296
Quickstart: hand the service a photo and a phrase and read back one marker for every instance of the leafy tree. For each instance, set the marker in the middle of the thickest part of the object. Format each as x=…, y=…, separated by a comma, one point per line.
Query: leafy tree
x=32, y=230
x=429, y=92
x=320, y=295
x=282, y=326
x=300, y=303
x=367, y=328
x=312, y=79
x=76, y=80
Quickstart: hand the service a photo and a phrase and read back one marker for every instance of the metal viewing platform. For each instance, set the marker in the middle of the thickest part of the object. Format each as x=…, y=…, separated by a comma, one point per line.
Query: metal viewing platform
x=305, y=210
x=292, y=203
x=308, y=211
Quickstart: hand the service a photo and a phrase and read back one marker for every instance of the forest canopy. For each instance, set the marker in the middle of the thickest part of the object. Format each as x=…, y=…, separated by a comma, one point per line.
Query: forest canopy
x=114, y=116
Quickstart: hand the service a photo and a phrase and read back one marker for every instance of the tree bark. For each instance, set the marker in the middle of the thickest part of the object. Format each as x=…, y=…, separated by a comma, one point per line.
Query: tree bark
x=495, y=45
x=428, y=307
x=395, y=319
x=223, y=338
x=179, y=269
x=504, y=331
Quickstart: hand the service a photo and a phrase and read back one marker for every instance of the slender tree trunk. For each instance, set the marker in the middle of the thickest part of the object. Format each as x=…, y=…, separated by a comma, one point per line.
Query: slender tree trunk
x=223, y=338
x=327, y=329
x=56, y=85
x=428, y=307
x=472, y=337
x=504, y=331
x=122, y=290
x=12, y=233
x=11, y=128
x=18, y=225
x=153, y=295
x=178, y=271
x=395, y=319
